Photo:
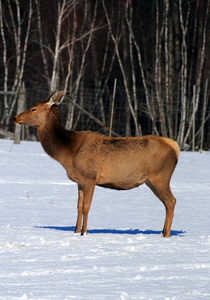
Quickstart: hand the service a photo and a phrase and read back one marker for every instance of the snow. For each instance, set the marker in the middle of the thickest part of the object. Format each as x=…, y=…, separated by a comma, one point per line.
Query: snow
x=123, y=256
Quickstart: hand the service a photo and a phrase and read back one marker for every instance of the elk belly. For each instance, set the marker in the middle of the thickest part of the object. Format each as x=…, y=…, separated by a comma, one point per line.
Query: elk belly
x=121, y=182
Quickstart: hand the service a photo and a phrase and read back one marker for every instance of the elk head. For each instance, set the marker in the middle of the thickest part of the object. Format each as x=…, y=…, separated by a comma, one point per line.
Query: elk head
x=36, y=115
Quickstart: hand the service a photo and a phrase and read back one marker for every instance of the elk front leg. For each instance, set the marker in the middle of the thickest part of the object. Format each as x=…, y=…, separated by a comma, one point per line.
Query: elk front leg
x=88, y=195
x=80, y=205
x=85, y=194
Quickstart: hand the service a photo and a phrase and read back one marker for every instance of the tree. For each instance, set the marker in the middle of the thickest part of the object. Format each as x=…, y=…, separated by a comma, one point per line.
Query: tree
x=156, y=51
x=15, y=30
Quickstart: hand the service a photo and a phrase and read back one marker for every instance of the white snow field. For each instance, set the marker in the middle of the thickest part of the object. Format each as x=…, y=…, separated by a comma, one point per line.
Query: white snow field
x=123, y=256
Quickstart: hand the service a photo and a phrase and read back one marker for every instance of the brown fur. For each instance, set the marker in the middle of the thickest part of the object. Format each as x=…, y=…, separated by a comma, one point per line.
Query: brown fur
x=94, y=159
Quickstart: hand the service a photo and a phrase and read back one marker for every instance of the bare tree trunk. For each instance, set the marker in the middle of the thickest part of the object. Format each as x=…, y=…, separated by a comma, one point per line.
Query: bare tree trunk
x=170, y=73
x=6, y=106
x=68, y=80
x=143, y=77
x=198, y=82
x=105, y=75
x=194, y=46
x=21, y=60
x=127, y=46
x=135, y=117
x=184, y=28
x=61, y=10
x=41, y=42
x=205, y=103
x=164, y=132
x=176, y=68
x=82, y=66
x=20, y=108
x=158, y=71
x=133, y=73
x=14, y=25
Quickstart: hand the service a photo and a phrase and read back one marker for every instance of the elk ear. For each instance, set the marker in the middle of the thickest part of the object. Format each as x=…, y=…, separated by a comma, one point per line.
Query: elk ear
x=55, y=98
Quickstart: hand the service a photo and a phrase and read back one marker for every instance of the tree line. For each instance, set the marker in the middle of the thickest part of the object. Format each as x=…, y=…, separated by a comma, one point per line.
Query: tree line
x=151, y=57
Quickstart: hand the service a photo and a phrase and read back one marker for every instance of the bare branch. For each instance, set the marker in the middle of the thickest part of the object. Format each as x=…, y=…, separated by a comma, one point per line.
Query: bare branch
x=122, y=70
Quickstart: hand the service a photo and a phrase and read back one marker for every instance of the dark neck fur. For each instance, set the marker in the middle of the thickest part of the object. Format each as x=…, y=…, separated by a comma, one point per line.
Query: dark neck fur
x=53, y=136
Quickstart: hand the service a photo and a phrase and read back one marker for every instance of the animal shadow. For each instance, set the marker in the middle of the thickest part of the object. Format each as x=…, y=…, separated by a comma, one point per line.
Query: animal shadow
x=113, y=231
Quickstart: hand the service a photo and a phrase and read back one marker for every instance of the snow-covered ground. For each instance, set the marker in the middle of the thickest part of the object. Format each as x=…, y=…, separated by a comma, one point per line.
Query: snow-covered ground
x=123, y=256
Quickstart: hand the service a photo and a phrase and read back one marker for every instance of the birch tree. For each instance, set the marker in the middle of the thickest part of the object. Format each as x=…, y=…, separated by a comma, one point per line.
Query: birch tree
x=200, y=71
x=116, y=39
x=51, y=55
x=69, y=122
x=184, y=27
x=14, y=24
x=4, y=58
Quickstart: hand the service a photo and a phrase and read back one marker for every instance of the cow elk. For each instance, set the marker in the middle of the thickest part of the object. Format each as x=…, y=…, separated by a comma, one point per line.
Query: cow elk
x=92, y=159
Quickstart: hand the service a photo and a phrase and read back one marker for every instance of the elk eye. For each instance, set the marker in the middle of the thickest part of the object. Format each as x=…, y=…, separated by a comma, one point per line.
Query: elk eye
x=33, y=109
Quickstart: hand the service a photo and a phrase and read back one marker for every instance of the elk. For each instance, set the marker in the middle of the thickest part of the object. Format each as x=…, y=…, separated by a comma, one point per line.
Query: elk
x=91, y=159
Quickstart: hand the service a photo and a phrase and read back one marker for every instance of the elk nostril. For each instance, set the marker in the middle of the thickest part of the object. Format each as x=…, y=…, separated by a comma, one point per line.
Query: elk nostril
x=15, y=121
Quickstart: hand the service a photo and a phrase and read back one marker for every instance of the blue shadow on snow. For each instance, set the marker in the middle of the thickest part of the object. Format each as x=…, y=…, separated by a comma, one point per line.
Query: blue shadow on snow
x=113, y=231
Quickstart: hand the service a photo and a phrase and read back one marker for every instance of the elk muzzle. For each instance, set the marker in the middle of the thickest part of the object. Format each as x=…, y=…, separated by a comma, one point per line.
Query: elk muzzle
x=16, y=121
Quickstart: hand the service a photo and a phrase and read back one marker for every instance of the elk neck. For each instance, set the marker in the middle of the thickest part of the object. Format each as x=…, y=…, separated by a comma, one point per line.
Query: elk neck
x=55, y=140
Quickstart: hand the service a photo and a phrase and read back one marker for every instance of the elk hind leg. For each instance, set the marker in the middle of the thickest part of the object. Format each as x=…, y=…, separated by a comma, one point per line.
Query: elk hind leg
x=162, y=190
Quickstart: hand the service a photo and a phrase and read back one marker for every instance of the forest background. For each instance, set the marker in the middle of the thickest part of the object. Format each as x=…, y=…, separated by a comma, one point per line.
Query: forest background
x=127, y=68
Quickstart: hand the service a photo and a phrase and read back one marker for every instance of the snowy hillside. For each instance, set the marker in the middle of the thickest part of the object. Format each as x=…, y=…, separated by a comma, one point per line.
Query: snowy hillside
x=122, y=257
